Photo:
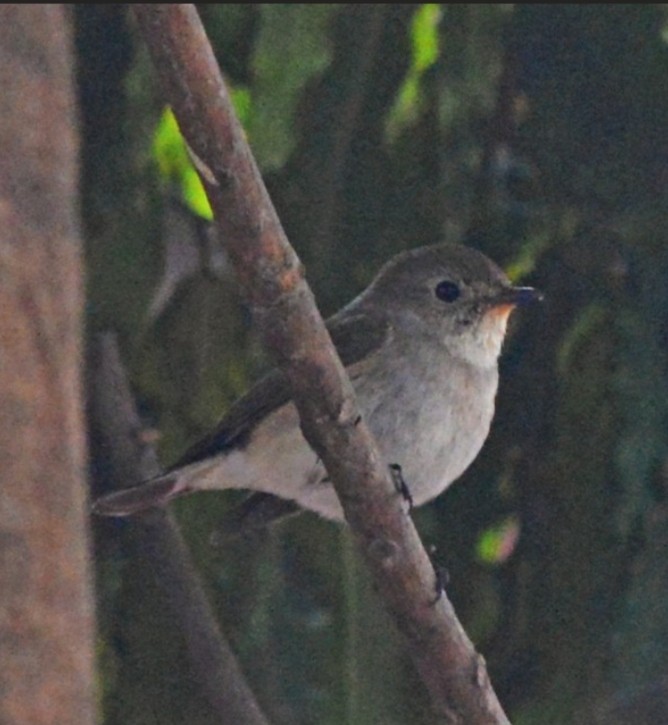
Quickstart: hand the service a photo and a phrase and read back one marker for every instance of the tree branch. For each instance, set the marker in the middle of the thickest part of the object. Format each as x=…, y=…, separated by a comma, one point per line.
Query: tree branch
x=272, y=279
x=115, y=425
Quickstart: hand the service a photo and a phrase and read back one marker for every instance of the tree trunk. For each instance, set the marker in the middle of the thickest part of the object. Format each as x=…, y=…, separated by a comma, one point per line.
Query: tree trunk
x=46, y=612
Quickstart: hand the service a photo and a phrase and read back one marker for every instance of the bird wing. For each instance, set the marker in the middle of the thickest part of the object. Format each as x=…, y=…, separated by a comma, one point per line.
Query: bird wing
x=355, y=337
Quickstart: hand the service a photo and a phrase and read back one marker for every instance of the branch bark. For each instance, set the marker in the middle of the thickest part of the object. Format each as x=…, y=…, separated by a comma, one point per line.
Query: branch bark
x=46, y=603
x=115, y=426
x=273, y=282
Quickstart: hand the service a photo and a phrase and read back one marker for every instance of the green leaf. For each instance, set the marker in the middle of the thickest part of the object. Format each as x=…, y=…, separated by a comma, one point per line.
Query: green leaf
x=171, y=155
x=424, y=36
x=242, y=102
x=424, y=53
x=498, y=542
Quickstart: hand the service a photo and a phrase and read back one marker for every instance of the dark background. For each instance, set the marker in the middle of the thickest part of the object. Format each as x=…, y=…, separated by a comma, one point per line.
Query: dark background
x=536, y=133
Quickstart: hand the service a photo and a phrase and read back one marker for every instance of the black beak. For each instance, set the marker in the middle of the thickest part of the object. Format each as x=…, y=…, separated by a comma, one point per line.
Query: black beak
x=517, y=296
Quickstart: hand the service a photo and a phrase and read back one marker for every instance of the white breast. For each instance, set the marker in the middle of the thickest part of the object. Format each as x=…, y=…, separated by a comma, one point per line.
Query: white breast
x=429, y=413
x=432, y=424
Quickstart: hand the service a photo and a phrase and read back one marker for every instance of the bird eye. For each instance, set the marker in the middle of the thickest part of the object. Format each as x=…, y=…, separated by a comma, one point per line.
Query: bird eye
x=447, y=291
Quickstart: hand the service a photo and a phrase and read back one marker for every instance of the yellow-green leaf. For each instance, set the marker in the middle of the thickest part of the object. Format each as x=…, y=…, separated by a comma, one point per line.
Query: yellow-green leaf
x=171, y=156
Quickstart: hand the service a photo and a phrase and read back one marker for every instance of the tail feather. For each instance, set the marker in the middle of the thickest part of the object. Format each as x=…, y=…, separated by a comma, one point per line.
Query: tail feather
x=130, y=501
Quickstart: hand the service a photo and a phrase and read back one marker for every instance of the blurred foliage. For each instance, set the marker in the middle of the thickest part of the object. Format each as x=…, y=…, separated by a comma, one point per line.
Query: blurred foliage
x=537, y=134
x=425, y=50
x=291, y=47
x=497, y=543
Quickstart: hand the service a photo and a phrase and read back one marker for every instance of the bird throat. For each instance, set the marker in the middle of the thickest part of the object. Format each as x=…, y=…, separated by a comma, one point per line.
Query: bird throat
x=481, y=344
x=492, y=329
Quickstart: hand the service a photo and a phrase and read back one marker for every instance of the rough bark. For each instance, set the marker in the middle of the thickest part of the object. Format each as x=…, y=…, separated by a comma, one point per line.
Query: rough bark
x=46, y=612
x=273, y=282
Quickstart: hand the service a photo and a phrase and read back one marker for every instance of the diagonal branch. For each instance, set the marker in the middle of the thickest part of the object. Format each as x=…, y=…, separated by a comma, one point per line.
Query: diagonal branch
x=272, y=279
x=115, y=422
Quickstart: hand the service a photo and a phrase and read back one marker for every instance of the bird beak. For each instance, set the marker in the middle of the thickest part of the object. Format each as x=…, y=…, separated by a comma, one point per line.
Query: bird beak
x=516, y=296
x=507, y=299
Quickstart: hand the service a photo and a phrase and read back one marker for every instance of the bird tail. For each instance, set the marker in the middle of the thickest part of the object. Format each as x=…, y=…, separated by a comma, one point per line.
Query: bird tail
x=128, y=501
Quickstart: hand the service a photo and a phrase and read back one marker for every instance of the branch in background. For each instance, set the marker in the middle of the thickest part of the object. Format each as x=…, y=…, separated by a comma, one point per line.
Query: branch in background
x=115, y=425
x=272, y=279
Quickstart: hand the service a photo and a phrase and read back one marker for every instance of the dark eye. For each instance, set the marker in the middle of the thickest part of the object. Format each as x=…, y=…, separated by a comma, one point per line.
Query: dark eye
x=447, y=291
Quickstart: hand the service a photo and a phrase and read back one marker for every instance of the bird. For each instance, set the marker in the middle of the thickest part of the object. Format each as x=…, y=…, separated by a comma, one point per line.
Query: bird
x=421, y=346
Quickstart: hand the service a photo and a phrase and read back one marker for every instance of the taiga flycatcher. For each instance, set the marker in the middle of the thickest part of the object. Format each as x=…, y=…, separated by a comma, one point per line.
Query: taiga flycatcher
x=420, y=345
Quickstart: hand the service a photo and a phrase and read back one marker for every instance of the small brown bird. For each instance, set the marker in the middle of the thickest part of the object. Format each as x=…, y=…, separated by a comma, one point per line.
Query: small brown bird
x=420, y=345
